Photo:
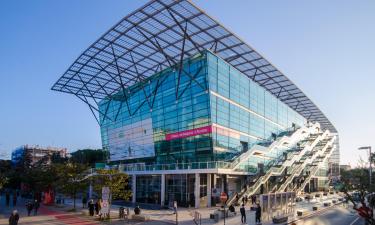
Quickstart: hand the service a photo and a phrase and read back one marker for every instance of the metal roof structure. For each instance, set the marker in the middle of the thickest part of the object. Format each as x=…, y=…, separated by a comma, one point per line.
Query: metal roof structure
x=161, y=34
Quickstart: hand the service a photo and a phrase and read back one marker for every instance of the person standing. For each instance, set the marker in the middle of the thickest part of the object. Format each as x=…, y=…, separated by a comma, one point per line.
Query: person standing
x=36, y=207
x=97, y=207
x=14, y=199
x=258, y=214
x=84, y=201
x=29, y=208
x=14, y=217
x=7, y=199
x=243, y=213
x=91, y=207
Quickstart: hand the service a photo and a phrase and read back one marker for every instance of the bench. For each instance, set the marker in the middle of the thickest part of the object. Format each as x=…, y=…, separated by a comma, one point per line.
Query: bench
x=140, y=217
x=325, y=204
x=280, y=219
x=301, y=212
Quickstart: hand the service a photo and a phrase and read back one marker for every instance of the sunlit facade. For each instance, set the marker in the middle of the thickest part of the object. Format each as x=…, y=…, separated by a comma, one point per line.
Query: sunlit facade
x=189, y=111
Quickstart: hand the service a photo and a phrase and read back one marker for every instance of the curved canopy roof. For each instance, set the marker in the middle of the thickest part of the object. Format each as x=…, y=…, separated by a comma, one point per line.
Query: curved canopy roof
x=161, y=34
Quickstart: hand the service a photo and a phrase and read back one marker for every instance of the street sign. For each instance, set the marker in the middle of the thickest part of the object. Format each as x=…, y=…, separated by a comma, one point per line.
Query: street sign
x=223, y=197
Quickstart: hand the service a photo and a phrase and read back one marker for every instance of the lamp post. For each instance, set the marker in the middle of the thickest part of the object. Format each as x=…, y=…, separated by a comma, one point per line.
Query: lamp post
x=370, y=167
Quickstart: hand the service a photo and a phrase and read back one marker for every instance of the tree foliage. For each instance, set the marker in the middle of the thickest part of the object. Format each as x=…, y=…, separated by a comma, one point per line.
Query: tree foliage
x=89, y=156
x=71, y=179
x=356, y=186
x=117, y=183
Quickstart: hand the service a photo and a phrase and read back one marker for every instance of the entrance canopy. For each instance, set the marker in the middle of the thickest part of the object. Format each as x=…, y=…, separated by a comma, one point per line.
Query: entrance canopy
x=161, y=34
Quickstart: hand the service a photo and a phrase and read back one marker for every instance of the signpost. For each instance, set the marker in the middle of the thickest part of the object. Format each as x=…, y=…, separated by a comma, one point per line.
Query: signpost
x=105, y=204
x=223, y=199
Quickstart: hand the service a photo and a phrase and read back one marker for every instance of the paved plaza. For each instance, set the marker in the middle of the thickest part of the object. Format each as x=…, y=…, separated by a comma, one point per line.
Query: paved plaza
x=60, y=215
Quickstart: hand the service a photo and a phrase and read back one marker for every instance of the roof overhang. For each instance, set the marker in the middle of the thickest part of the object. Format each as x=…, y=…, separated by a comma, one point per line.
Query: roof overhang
x=161, y=34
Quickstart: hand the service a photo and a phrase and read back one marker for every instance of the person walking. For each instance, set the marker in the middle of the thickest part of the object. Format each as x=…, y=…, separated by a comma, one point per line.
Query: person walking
x=7, y=199
x=243, y=213
x=29, y=208
x=14, y=199
x=84, y=201
x=36, y=207
x=97, y=207
x=14, y=217
x=91, y=207
x=258, y=214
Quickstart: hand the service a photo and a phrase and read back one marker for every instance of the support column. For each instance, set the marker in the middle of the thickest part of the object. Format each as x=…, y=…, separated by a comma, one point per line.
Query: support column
x=162, y=190
x=134, y=188
x=197, y=190
x=209, y=190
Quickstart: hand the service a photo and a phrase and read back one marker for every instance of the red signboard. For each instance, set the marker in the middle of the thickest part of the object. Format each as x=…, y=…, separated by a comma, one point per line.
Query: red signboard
x=189, y=133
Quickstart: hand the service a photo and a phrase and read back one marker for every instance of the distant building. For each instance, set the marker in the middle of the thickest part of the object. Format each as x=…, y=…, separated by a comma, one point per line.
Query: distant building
x=35, y=153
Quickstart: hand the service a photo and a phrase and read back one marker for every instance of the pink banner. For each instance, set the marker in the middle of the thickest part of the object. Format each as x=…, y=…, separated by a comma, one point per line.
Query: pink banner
x=189, y=133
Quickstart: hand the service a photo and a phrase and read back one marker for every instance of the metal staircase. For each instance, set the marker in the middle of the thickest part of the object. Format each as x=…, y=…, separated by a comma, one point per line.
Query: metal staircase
x=306, y=160
x=327, y=153
x=277, y=168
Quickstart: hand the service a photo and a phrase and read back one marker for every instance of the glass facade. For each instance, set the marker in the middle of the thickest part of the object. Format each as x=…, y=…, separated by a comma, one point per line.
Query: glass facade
x=206, y=111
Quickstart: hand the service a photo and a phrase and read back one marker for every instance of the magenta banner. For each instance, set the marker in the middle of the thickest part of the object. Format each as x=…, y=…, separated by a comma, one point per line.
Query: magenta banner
x=189, y=133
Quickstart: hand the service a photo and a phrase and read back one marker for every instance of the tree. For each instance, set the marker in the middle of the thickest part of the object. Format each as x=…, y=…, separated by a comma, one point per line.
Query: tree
x=89, y=156
x=71, y=179
x=117, y=183
x=356, y=186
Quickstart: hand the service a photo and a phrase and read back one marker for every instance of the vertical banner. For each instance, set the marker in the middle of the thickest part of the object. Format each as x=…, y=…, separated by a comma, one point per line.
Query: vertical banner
x=105, y=209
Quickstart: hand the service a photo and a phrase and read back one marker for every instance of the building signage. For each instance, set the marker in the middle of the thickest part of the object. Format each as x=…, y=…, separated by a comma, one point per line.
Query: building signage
x=189, y=133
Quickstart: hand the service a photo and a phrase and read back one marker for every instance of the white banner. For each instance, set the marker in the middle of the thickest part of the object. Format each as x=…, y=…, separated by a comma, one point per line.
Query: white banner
x=131, y=141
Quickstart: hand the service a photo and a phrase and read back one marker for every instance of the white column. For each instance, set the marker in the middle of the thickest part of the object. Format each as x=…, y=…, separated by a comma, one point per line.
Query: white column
x=209, y=189
x=134, y=188
x=197, y=190
x=162, y=190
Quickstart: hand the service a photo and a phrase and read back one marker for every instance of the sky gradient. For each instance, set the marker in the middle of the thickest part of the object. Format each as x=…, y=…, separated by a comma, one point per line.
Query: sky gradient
x=326, y=48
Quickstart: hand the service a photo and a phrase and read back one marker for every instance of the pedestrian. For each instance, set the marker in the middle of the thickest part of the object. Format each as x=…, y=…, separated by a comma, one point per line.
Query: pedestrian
x=91, y=207
x=258, y=214
x=7, y=199
x=84, y=201
x=243, y=213
x=14, y=199
x=14, y=217
x=97, y=207
x=36, y=207
x=29, y=208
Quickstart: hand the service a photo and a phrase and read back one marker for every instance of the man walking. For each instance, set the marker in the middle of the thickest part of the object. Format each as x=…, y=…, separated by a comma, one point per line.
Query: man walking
x=258, y=214
x=14, y=217
x=36, y=207
x=91, y=207
x=243, y=213
x=29, y=208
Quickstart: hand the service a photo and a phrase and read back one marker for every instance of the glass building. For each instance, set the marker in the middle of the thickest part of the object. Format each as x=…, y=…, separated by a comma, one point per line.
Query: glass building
x=189, y=111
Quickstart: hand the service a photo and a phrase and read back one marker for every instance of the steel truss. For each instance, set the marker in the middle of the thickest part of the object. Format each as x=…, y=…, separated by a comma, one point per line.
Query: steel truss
x=162, y=34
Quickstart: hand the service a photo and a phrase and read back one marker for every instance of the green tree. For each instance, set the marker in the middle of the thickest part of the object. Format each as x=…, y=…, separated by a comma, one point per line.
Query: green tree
x=71, y=179
x=117, y=183
x=89, y=156
x=356, y=186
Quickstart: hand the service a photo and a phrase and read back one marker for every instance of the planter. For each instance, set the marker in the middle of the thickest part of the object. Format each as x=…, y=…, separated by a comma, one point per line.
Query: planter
x=280, y=219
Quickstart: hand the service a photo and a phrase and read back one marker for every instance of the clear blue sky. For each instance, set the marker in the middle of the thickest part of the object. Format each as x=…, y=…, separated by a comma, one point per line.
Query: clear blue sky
x=326, y=47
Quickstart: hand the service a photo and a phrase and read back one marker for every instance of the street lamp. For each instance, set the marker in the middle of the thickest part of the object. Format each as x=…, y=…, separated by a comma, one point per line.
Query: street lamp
x=369, y=149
